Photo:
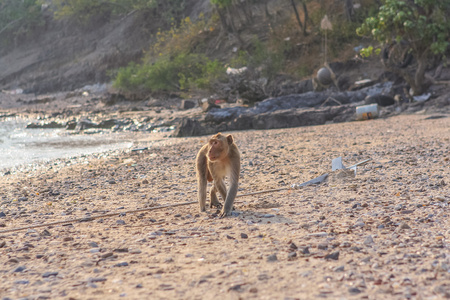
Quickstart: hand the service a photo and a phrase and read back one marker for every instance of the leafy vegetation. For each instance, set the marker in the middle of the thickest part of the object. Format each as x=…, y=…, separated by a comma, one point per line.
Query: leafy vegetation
x=86, y=10
x=171, y=64
x=181, y=72
x=420, y=28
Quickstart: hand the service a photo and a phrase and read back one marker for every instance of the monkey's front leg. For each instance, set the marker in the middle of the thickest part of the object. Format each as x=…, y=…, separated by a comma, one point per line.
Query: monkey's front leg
x=214, y=201
x=228, y=207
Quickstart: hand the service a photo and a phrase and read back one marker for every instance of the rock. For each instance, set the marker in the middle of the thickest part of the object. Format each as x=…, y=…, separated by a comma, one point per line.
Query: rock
x=51, y=125
x=121, y=264
x=19, y=269
x=403, y=226
x=85, y=124
x=305, y=250
x=368, y=240
x=2, y=214
x=48, y=274
x=189, y=127
x=45, y=232
x=381, y=100
x=272, y=258
x=120, y=222
x=334, y=255
x=339, y=269
x=187, y=104
x=292, y=255
x=207, y=106
x=318, y=234
x=93, y=244
x=322, y=246
x=268, y=216
x=293, y=246
x=244, y=236
x=108, y=124
x=97, y=279
x=354, y=290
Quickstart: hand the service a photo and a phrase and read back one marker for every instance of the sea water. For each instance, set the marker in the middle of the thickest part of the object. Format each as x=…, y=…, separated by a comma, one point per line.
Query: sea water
x=20, y=146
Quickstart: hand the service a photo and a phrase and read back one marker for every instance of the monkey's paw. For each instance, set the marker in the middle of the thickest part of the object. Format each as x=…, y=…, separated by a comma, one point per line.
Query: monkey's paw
x=216, y=204
x=224, y=213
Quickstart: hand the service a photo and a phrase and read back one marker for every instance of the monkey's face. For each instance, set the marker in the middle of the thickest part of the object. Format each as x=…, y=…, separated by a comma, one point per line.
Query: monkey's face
x=217, y=149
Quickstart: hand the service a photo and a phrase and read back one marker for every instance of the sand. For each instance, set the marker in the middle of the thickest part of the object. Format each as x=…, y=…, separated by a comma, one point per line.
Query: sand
x=382, y=234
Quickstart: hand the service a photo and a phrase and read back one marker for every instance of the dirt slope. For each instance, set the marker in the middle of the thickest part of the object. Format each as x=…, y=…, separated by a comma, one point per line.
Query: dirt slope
x=65, y=56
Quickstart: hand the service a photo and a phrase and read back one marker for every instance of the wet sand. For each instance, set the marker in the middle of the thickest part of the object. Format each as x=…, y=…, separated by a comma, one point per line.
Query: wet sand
x=382, y=234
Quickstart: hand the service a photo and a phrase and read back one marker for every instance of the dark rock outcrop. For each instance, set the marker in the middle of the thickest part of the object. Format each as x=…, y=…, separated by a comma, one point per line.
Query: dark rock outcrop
x=311, y=108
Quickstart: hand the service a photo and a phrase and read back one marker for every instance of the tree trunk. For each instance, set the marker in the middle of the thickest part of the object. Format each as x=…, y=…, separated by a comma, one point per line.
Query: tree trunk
x=349, y=11
x=297, y=16
x=305, y=10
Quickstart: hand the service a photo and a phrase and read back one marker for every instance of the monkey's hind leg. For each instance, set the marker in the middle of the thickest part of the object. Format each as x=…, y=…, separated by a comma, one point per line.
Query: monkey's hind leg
x=214, y=201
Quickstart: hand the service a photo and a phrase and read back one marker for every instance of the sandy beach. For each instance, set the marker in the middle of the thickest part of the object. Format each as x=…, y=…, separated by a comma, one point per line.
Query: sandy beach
x=380, y=234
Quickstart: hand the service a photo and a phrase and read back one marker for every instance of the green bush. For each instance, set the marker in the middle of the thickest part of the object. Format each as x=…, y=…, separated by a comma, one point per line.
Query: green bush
x=182, y=72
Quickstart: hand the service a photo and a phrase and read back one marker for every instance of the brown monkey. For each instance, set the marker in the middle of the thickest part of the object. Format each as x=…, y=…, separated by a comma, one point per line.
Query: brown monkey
x=215, y=160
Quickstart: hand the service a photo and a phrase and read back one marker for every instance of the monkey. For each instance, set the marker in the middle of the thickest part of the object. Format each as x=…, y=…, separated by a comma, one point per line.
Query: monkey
x=218, y=158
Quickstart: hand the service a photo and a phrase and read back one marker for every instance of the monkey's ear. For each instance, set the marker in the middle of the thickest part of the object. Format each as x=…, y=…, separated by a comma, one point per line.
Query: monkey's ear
x=230, y=139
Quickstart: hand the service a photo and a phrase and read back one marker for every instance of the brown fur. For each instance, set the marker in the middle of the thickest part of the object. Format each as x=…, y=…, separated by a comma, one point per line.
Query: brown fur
x=218, y=159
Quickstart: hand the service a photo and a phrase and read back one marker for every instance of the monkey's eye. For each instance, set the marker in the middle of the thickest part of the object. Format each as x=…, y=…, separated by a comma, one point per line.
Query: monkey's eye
x=214, y=143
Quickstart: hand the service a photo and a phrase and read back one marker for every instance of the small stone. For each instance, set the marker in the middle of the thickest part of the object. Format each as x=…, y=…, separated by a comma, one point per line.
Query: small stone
x=121, y=250
x=19, y=269
x=45, y=232
x=230, y=237
x=398, y=207
x=135, y=251
x=322, y=246
x=368, y=241
x=120, y=222
x=272, y=258
x=23, y=281
x=354, y=290
x=48, y=274
x=360, y=224
x=268, y=216
x=93, y=244
x=334, y=255
x=339, y=269
x=22, y=199
x=403, y=225
x=2, y=214
x=318, y=234
x=292, y=255
x=67, y=239
x=145, y=181
x=97, y=279
x=293, y=246
x=305, y=250
x=111, y=181
x=244, y=236
x=121, y=264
